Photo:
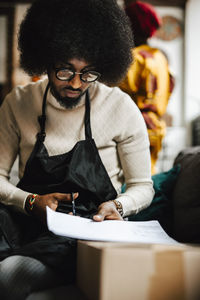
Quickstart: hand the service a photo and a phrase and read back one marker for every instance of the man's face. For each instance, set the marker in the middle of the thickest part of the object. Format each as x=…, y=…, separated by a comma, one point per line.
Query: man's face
x=68, y=93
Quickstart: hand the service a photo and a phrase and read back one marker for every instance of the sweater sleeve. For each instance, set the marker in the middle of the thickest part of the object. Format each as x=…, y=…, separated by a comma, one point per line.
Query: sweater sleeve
x=134, y=155
x=9, y=147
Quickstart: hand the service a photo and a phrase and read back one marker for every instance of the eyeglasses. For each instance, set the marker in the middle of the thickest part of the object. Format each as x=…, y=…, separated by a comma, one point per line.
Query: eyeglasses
x=68, y=74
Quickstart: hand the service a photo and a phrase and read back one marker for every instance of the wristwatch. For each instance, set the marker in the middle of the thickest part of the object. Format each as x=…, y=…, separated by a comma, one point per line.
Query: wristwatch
x=118, y=207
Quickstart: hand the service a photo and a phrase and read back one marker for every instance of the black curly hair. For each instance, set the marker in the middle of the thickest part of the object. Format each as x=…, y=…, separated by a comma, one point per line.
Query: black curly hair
x=97, y=31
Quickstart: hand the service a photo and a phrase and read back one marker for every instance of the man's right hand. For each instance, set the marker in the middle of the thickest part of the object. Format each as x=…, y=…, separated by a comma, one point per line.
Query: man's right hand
x=50, y=200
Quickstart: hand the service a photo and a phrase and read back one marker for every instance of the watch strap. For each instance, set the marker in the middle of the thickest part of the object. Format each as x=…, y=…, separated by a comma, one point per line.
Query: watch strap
x=118, y=207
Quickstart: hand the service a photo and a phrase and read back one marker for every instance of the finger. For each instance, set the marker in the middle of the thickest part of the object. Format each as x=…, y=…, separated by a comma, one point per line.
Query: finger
x=107, y=212
x=71, y=214
x=100, y=216
x=76, y=195
x=64, y=197
x=114, y=216
x=61, y=196
x=53, y=206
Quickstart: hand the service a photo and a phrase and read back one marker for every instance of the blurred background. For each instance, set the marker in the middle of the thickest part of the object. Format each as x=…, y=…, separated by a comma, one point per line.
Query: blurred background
x=178, y=38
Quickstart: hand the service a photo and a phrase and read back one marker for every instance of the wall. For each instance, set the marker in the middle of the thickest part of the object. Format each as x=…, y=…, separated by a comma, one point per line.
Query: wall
x=192, y=64
x=185, y=102
x=174, y=49
x=19, y=77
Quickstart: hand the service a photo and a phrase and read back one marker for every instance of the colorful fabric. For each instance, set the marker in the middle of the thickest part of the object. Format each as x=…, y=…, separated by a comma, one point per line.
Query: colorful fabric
x=150, y=84
x=143, y=17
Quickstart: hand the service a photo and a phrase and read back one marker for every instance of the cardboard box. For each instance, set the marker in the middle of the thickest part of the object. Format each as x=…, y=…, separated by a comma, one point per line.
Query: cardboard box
x=117, y=271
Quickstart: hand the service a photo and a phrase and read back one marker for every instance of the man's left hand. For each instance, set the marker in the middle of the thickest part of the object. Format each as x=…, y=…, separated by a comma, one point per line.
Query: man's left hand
x=107, y=211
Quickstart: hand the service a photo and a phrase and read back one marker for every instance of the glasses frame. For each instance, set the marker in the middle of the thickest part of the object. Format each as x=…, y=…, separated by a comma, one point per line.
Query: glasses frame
x=77, y=73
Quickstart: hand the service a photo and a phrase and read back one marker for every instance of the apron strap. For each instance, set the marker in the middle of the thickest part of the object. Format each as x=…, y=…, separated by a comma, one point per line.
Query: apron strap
x=88, y=131
x=42, y=119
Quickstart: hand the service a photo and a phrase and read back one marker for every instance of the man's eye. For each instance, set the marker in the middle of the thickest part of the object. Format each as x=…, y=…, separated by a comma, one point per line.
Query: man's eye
x=65, y=73
x=90, y=76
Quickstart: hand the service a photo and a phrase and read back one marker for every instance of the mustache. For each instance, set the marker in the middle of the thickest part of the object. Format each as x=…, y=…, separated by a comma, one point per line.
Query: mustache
x=72, y=89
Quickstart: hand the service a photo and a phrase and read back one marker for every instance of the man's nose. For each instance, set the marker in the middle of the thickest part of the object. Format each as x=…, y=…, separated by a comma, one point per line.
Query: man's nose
x=76, y=81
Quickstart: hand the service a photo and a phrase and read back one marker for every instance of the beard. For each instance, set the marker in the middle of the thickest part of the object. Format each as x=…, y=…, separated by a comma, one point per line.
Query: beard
x=66, y=102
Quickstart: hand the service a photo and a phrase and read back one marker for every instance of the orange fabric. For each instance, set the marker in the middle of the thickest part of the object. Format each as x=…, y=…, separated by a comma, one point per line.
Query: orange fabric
x=148, y=82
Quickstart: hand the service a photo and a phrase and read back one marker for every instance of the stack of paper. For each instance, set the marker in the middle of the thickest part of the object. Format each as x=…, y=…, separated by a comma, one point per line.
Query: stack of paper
x=112, y=231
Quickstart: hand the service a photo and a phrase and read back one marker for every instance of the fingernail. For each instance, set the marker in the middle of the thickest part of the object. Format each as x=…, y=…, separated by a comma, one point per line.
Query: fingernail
x=98, y=217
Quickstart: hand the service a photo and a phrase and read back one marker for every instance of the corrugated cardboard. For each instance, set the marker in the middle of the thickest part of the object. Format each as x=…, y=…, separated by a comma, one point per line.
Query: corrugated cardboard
x=117, y=271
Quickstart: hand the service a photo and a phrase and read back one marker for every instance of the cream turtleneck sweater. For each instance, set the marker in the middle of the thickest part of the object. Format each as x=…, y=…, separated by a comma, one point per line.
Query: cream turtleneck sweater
x=117, y=127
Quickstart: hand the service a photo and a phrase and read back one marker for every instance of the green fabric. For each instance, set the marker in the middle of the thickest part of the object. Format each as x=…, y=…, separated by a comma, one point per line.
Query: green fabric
x=161, y=206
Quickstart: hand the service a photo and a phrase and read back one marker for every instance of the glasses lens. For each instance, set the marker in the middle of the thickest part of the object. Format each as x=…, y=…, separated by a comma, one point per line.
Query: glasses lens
x=64, y=74
x=90, y=76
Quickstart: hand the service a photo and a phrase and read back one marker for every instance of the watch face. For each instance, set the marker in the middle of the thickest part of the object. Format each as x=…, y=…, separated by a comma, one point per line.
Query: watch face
x=171, y=28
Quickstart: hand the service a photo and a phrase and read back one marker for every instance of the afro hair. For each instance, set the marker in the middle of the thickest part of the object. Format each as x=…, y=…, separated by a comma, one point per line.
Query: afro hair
x=97, y=31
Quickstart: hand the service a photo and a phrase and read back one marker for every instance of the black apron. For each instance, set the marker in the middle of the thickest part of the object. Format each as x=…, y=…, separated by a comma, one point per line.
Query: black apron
x=80, y=170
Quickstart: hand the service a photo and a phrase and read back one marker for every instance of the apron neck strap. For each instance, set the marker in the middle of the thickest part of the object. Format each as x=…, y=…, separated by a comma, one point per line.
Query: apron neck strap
x=88, y=131
x=42, y=119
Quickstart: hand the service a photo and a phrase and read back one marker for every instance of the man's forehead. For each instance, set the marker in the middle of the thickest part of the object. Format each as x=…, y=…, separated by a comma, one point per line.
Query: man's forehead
x=74, y=63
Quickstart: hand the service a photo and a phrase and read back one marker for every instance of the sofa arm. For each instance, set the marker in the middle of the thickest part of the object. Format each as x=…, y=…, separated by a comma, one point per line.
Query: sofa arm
x=186, y=197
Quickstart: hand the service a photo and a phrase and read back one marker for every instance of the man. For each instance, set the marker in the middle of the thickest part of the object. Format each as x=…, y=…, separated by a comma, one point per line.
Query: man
x=148, y=81
x=74, y=135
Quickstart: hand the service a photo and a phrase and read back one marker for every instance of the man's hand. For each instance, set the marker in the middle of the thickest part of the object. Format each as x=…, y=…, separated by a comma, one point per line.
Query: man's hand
x=50, y=200
x=107, y=211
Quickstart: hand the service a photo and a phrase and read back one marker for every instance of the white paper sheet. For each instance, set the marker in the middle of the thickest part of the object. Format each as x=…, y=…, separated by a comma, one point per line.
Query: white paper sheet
x=112, y=231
